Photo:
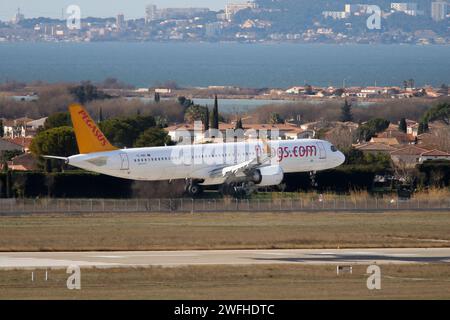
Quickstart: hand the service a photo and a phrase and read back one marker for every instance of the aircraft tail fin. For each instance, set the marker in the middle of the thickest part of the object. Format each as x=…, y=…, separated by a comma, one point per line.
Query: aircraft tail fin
x=89, y=137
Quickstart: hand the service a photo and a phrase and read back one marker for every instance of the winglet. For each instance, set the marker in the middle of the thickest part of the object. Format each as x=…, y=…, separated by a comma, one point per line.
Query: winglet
x=89, y=137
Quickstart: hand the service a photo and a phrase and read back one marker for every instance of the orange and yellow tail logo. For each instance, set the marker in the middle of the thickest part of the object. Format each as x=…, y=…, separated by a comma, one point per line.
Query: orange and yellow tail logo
x=89, y=137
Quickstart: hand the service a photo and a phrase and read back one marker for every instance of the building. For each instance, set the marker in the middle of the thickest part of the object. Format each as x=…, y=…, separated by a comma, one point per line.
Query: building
x=151, y=13
x=375, y=148
x=15, y=128
x=409, y=8
x=23, y=162
x=403, y=6
x=438, y=10
x=181, y=13
x=24, y=142
x=19, y=17
x=178, y=133
x=6, y=145
x=356, y=9
x=434, y=155
x=336, y=15
x=22, y=127
x=213, y=30
x=408, y=157
x=233, y=8
x=120, y=21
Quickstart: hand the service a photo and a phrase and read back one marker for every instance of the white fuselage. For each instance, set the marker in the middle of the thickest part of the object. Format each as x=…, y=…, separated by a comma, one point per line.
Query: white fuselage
x=198, y=161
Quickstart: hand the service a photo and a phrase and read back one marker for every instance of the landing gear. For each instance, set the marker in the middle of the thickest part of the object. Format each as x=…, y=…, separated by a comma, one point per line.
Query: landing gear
x=192, y=188
x=312, y=177
x=238, y=189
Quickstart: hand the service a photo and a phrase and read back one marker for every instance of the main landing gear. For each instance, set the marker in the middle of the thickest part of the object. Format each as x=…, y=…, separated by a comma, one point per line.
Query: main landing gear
x=238, y=189
x=192, y=188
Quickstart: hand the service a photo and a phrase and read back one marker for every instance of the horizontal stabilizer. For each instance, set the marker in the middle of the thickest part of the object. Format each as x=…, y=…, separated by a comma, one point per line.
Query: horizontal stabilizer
x=56, y=158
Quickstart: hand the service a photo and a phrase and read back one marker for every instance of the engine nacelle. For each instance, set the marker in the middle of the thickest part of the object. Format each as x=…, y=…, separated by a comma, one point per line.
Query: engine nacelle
x=268, y=176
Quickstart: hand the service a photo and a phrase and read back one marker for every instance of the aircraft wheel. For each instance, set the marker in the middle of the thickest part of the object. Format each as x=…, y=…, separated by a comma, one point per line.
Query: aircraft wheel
x=194, y=190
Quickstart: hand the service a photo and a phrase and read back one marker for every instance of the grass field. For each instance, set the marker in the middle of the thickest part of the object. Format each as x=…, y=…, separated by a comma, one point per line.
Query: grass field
x=232, y=282
x=223, y=231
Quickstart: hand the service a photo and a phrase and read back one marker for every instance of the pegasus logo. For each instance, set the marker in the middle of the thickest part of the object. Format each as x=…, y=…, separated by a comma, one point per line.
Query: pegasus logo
x=91, y=125
x=291, y=152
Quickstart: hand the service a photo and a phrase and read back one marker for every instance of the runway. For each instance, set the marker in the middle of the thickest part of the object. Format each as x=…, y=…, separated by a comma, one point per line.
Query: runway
x=54, y=260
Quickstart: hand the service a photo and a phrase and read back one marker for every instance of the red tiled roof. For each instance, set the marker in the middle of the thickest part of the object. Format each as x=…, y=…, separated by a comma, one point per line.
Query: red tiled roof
x=21, y=141
x=409, y=151
x=373, y=146
x=436, y=153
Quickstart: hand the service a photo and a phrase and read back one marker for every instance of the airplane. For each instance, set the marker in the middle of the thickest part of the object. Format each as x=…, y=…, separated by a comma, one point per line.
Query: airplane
x=237, y=167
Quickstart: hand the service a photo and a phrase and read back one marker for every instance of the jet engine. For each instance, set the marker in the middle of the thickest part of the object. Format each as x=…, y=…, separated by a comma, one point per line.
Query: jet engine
x=267, y=176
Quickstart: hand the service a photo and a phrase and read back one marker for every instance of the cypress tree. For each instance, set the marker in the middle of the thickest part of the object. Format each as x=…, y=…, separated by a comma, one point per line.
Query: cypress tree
x=239, y=124
x=215, y=119
x=402, y=125
x=100, y=115
x=346, y=112
x=423, y=127
x=206, y=124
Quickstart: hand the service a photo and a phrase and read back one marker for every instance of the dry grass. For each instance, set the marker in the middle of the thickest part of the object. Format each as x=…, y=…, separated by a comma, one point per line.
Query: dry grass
x=224, y=231
x=232, y=282
x=433, y=194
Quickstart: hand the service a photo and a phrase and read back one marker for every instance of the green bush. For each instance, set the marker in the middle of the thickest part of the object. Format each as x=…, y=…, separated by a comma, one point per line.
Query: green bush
x=435, y=173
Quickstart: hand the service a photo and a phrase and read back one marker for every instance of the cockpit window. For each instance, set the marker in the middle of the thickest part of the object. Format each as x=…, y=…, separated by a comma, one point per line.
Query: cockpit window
x=334, y=149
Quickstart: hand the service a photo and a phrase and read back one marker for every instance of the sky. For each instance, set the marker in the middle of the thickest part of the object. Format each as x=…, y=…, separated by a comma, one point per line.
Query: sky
x=97, y=8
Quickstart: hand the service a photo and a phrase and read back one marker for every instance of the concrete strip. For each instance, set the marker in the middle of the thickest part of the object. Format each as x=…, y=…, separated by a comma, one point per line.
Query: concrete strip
x=27, y=260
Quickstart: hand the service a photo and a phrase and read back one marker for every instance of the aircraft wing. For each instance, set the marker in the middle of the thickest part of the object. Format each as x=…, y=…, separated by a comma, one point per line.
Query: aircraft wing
x=234, y=170
x=243, y=167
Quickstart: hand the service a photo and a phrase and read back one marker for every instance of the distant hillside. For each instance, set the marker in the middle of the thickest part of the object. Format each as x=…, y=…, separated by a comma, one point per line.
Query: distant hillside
x=296, y=16
x=320, y=5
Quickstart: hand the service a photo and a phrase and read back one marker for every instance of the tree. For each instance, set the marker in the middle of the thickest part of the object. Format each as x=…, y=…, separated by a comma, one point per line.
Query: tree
x=346, y=112
x=402, y=126
x=308, y=89
x=58, y=141
x=341, y=136
x=87, y=92
x=215, y=114
x=195, y=113
x=239, y=125
x=185, y=103
x=206, y=120
x=59, y=119
x=423, y=127
x=100, y=115
x=369, y=129
x=275, y=118
x=439, y=112
x=153, y=137
x=123, y=132
x=8, y=155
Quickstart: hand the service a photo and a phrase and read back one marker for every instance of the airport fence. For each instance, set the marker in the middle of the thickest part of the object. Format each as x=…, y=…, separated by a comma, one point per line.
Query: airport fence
x=28, y=206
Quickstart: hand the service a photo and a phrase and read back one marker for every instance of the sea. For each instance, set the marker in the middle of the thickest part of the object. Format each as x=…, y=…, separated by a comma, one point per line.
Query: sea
x=268, y=65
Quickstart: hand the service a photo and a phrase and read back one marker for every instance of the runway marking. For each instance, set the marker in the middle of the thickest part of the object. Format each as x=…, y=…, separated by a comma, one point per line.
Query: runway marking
x=273, y=253
x=146, y=255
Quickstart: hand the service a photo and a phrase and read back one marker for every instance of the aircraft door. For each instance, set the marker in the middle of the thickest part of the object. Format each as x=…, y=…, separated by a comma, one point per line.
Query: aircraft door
x=125, y=164
x=322, y=151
